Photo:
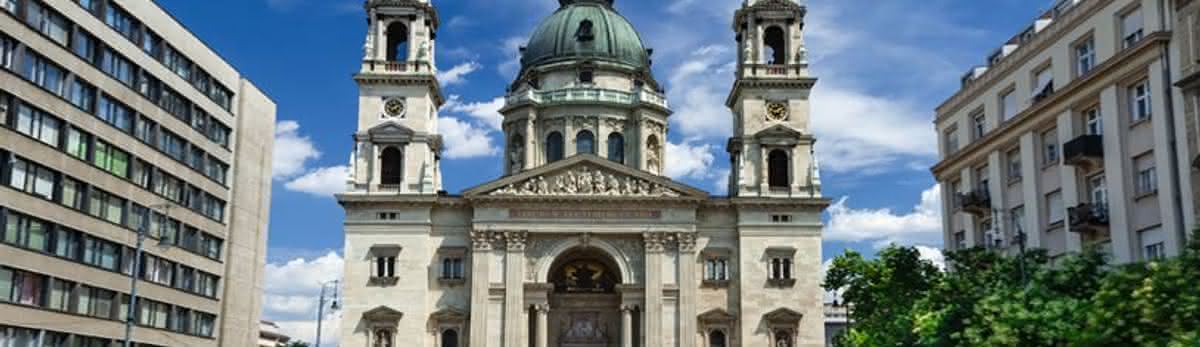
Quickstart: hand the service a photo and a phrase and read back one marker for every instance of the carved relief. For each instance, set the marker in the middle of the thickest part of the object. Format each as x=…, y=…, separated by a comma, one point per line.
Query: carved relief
x=515, y=240
x=615, y=125
x=482, y=240
x=687, y=242
x=535, y=251
x=583, y=123
x=657, y=242
x=585, y=181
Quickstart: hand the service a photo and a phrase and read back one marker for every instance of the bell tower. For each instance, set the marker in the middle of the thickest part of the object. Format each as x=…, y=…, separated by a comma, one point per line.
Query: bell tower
x=771, y=148
x=397, y=146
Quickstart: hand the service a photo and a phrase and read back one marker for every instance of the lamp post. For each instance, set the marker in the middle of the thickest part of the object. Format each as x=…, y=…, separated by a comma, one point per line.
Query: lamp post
x=321, y=306
x=137, y=265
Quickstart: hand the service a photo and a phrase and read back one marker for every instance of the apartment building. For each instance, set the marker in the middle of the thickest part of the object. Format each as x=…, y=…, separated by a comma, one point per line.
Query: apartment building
x=1187, y=38
x=116, y=120
x=1066, y=138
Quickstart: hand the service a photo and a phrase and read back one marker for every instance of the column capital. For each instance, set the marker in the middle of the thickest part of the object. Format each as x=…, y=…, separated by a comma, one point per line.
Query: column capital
x=541, y=308
x=516, y=240
x=656, y=242
x=481, y=240
x=687, y=242
x=628, y=308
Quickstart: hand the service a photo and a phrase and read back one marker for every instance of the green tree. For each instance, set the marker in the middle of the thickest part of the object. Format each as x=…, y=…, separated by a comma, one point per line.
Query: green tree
x=882, y=293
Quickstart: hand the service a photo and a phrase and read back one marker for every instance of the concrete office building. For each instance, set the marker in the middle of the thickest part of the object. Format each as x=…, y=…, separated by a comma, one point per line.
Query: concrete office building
x=117, y=119
x=1067, y=138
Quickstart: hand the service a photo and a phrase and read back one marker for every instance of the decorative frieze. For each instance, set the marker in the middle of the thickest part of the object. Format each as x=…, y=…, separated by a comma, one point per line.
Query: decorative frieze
x=586, y=181
x=687, y=242
x=516, y=240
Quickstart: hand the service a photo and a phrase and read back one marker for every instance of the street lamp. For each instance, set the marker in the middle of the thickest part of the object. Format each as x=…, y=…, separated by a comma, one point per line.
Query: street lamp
x=321, y=306
x=137, y=265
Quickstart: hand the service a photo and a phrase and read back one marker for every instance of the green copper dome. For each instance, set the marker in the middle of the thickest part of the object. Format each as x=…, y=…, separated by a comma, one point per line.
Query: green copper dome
x=585, y=29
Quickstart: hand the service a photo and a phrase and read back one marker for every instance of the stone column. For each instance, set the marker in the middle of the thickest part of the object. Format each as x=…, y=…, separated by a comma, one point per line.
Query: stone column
x=653, y=319
x=514, y=289
x=481, y=256
x=532, y=138
x=688, y=296
x=542, y=328
x=626, y=326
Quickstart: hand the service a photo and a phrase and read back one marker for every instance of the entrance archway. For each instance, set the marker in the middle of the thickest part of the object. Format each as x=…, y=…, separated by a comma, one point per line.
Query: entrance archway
x=584, y=303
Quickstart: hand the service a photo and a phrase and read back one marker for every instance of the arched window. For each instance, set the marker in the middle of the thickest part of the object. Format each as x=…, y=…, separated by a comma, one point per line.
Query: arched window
x=554, y=147
x=450, y=338
x=616, y=147
x=585, y=143
x=383, y=338
x=392, y=164
x=773, y=40
x=716, y=338
x=516, y=153
x=585, y=32
x=777, y=169
x=397, y=42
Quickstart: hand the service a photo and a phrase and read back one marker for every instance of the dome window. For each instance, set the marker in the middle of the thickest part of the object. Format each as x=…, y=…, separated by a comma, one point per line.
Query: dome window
x=585, y=33
x=587, y=76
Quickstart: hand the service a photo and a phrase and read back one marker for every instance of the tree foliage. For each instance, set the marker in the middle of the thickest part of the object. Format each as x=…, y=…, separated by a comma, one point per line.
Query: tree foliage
x=988, y=299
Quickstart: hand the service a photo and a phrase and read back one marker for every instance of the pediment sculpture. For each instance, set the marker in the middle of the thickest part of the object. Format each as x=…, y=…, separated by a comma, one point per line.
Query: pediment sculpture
x=586, y=181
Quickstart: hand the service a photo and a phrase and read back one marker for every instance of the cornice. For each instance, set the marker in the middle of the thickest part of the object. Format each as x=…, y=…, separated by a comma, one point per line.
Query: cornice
x=1102, y=75
x=769, y=9
x=420, y=6
x=806, y=83
x=371, y=78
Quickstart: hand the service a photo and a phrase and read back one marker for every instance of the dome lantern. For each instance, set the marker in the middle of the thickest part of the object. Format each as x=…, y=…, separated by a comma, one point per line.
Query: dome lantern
x=585, y=30
x=566, y=3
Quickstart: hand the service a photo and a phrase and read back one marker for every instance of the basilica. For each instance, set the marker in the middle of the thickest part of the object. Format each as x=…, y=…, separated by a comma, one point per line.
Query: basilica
x=583, y=242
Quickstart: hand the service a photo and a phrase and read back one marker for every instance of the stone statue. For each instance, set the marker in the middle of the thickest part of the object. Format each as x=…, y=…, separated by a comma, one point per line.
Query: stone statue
x=802, y=55
x=749, y=54
x=516, y=158
x=423, y=51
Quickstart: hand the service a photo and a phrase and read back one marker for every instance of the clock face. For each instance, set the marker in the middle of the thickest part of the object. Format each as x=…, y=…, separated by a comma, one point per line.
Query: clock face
x=777, y=112
x=394, y=107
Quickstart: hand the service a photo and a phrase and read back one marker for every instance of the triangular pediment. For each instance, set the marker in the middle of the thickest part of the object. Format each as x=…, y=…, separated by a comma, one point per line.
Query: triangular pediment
x=390, y=128
x=448, y=315
x=783, y=316
x=716, y=315
x=779, y=130
x=586, y=176
x=382, y=314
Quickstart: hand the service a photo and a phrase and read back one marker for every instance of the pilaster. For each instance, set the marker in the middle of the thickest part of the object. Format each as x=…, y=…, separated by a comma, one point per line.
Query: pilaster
x=688, y=296
x=481, y=256
x=514, y=304
x=655, y=246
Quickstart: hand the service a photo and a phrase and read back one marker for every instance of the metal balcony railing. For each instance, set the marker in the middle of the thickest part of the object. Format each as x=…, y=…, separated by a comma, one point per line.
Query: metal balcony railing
x=1086, y=150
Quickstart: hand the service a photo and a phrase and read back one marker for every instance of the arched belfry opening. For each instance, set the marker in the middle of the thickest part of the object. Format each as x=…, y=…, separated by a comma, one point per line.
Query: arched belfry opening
x=397, y=42
x=777, y=169
x=585, y=307
x=775, y=43
x=391, y=166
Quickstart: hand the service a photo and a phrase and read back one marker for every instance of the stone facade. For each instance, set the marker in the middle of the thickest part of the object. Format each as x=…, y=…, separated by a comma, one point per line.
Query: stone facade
x=1187, y=38
x=583, y=242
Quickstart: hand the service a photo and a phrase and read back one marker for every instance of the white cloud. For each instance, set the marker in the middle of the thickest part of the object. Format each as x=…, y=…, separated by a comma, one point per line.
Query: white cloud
x=324, y=182
x=858, y=131
x=512, y=53
x=933, y=255
x=290, y=294
x=688, y=160
x=292, y=150
x=465, y=140
x=700, y=84
x=486, y=112
x=921, y=226
x=458, y=73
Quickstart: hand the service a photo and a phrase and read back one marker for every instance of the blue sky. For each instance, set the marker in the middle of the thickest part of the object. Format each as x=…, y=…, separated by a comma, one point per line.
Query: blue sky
x=883, y=64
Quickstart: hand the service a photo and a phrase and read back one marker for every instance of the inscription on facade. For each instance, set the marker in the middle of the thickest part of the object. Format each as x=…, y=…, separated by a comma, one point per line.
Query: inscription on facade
x=583, y=214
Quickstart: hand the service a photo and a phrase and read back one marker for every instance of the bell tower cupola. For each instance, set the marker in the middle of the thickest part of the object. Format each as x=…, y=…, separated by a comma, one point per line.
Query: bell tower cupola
x=772, y=147
x=397, y=146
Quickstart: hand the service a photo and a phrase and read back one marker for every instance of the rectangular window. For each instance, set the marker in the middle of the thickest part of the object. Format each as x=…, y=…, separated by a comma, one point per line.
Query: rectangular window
x=219, y=133
x=101, y=253
x=979, y=124
x=951, y=140
x=153, y=313
x=1043, y=84
x=145, y=130
x=1008, y=104
x=111, y=159
x=222, y=97
x=27, y=232
x=1085, y=57
x=1146, y=178
x=182, y=321
x=149, y=86
x=216, y=170
x=1153, y=244
x=716, y=269
x=204, y=324
x=122, y=22
x=79, y=143
x=66, y=243
x=1050, y=146
x=1054, y=207
x=19, y=173
x=1139, y=102
x=28, y=288
x=1014, y=164
x=116, y=66
x=38, y=124
x=83, y=95
x=60, y=295
x=1093, y=122
x=7, y=286
x=139, y=173
x=982, y=179
x=48, y=22
x=7, y=48
x=1017, y=220
x=1097, y=190
x=9, y=5
x=172, y=144
x=196, y=158
x=115, y=113
x=1131, y=28
x=72, y=193
x=780, y=268
x=85, y=46
x=42, y=72
x=211, y=245
x=452, y=268
x=151, y=43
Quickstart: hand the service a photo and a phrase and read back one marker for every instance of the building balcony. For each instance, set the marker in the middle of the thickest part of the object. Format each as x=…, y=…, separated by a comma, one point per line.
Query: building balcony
x=399, y=68
x=1084, y=151
x=1088, y=217
x=978, y=202
x=774, y=70
x=588, y=95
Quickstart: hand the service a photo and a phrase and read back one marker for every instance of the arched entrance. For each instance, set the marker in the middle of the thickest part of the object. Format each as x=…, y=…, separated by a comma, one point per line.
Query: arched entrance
x=584, y=303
